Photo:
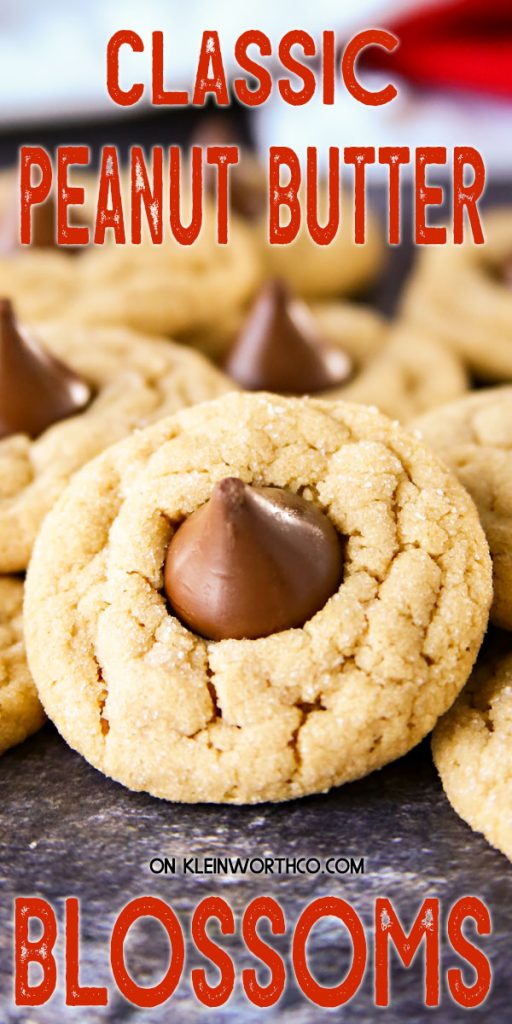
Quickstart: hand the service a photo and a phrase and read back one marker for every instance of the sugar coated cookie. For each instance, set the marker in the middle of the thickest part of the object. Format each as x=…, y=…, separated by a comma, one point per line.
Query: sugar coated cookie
x=66, y=392
x=255, y=599
x=472, y=747
x=21, y=713
x=474, y=436
x=463, y=295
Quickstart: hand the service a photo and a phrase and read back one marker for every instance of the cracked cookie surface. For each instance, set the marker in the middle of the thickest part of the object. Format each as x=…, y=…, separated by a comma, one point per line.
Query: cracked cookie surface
x=474, y=436
x=459, y=293
x=136, y=379
x=472, y=748
x=408, y=375
x=161, y=709
x=21, y=713
x=156, y=289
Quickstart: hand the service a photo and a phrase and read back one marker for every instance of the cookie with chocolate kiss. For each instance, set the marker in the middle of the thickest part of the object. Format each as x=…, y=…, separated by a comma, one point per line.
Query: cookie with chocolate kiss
x=151, y=702
x=251, y=562
x=280, y=349
x=36, y=389
x=47, y=380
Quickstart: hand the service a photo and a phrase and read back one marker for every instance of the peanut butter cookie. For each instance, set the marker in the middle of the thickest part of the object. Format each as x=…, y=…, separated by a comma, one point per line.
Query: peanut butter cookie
x=21, y=713
x=168, y=289
x=172, y=629
x=340, y=350
x=463, y=296
x=319, y=272
x=56, y=415
x=472, y=747
x=474, y=437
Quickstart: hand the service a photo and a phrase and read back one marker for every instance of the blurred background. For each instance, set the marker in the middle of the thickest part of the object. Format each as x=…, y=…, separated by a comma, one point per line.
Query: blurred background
x=454, y=72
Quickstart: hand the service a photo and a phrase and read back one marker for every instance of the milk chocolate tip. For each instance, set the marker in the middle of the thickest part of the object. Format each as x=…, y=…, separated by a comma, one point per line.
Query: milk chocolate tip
x=251, y=562
x=36, y=389
x=280, y=348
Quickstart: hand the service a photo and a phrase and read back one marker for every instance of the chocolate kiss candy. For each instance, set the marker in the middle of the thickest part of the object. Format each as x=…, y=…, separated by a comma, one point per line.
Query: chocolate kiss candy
x=36, y=389
x=280, y=350
x=252, y=561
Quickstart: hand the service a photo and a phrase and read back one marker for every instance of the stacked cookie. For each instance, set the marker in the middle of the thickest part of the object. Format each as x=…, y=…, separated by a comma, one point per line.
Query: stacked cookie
x=472, y=744
x=231, y=597
x=206, y=295
x=463, y=296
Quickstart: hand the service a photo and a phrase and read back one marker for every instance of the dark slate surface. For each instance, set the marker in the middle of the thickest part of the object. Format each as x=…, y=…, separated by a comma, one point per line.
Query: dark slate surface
x=67, y=831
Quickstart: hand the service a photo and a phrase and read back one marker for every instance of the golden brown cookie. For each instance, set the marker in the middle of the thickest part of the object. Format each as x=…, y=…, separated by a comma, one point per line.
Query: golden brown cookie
x=319, y=272
x=170, y=289
x=474, y=437
x=41, y=283
x=41, y=279
x=472, y=748
x=463, y=296
x=21, y=713
x=135, y=380
x=409, y=374
x=156, y=706
x=401, y=370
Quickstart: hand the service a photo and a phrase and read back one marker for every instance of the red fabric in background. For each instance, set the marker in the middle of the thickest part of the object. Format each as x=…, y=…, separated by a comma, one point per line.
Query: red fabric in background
x=453, y=43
